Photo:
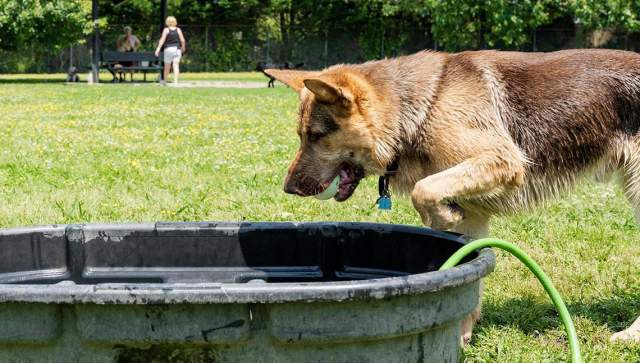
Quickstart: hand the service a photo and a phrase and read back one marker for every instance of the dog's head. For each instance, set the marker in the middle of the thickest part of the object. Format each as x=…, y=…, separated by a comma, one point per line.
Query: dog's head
x=336, y=131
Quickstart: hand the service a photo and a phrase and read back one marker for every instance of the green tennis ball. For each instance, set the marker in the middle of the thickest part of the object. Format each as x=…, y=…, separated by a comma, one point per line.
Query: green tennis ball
x=331, y=190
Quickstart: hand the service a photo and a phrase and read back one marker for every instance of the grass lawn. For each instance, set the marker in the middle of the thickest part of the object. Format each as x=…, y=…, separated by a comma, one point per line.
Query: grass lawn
x=115, y=153
x=105, y=76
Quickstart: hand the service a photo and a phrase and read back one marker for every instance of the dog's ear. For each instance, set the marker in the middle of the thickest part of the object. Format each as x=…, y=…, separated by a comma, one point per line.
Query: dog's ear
x=327, y=91
x=291, y=78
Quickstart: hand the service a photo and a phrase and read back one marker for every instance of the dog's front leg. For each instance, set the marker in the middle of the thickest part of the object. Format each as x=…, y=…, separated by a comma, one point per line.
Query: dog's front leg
x=490, y=173
x=435, y=195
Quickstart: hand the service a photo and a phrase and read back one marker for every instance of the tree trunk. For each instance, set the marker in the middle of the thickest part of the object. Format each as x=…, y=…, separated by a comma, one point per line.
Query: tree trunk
x=284, y=30
x=292, y=24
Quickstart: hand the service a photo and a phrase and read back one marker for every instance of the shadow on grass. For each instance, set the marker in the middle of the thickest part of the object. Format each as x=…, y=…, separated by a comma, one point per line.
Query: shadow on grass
x=30, y=80
x=59, y=81
x=530, y=316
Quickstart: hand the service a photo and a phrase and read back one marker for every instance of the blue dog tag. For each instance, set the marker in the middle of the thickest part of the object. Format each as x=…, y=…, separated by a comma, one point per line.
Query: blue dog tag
x=384, y=203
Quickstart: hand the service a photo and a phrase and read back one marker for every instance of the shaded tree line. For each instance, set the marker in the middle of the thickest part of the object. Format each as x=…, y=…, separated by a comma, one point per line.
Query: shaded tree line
x=338, y=30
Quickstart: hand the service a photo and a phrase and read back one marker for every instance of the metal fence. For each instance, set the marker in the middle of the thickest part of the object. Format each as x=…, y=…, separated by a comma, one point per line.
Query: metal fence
x=239, y=48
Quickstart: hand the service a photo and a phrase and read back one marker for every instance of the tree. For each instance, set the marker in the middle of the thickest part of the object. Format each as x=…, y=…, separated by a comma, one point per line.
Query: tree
x=55, y=23
x=610, y=14
x=464, y=24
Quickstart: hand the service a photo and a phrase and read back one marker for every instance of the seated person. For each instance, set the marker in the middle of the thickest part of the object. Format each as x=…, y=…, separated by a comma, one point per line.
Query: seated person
x=127, y=43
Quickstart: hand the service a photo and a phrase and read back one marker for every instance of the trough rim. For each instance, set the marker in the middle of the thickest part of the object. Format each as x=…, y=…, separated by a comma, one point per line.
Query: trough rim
x=67, y=292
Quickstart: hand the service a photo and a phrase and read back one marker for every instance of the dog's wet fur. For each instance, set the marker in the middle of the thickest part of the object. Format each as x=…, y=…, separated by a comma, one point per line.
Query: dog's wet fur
x=490, y=132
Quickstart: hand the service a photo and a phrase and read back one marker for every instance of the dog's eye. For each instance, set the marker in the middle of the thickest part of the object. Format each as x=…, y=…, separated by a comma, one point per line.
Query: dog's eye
x=315, y=136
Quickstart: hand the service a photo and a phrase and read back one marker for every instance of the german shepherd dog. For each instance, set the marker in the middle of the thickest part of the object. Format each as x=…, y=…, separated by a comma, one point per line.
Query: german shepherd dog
x=473, y=134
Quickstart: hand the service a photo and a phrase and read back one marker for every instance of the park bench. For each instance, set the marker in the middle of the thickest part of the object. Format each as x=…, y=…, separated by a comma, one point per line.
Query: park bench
x=144, y=62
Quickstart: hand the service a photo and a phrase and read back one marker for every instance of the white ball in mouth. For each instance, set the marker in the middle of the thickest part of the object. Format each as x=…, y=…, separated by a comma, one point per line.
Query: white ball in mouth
x=331, y=190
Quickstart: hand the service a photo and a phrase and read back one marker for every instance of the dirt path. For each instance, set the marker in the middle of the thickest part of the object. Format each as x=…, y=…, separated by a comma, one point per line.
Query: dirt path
x=219, y=84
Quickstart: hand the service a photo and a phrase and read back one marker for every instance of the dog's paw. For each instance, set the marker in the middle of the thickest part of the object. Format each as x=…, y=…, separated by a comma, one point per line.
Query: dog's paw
x=444, y=217
x=466, y=327
x=433, y=210
x=441, y=216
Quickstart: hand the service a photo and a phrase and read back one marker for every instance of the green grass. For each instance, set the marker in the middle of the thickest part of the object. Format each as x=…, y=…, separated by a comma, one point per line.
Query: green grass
x=76, y=153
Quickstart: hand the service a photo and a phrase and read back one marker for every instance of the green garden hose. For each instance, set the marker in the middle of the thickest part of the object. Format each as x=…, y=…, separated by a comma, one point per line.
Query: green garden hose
x=574, y=345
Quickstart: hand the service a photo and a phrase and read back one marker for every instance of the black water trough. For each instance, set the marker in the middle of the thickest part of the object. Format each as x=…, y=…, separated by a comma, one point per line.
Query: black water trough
x=243, y=292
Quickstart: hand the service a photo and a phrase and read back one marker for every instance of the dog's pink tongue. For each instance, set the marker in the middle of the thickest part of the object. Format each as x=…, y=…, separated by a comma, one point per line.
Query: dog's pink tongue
x=344, y=176
x=345, y=183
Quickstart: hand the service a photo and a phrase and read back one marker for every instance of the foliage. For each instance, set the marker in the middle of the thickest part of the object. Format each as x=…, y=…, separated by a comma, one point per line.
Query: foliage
x=464, y=24
x=54, y=23
x=229, y=53
x=510, y=23
x=314, y=32
x=619, y=14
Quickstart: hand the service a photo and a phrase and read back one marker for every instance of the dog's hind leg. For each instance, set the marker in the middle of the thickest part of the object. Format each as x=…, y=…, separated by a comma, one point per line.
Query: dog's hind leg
x=630, y=165
x=475, y=226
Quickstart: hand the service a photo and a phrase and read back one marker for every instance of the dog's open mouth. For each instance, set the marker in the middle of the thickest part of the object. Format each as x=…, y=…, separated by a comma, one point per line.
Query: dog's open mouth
x=350, y=176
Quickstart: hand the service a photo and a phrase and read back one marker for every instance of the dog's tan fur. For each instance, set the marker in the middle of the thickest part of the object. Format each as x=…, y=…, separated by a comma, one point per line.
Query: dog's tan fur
x=476, y=133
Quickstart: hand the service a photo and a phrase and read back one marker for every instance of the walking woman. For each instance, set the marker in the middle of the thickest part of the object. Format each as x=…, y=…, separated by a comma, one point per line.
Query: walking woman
x=174, y=45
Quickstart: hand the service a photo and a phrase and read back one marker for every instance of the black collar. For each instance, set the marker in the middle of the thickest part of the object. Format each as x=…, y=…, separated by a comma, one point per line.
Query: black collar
x=393, y=167
x=383, y=181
